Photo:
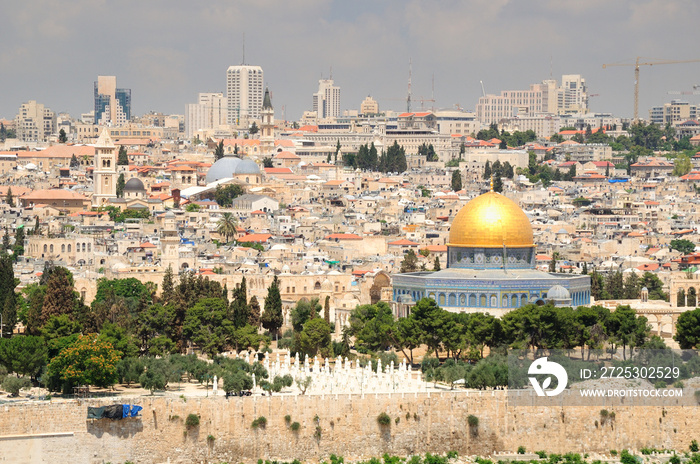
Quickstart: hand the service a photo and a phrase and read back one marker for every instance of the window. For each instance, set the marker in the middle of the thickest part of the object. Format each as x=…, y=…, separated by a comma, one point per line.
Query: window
x=51, y=249
x=63, y=248
x=69, y=248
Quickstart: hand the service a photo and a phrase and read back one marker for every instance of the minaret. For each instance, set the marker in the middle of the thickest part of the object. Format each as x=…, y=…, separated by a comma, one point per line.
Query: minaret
x=267, y=127
x=105, y=174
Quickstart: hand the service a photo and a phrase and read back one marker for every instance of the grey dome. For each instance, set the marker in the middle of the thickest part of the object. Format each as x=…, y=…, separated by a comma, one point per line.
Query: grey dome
x=558, y=293
x=222, y=169
x=247, y=166
x=134, y=185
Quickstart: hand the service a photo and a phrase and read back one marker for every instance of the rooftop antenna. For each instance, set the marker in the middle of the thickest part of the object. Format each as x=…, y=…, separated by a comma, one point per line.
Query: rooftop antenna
x=243, y=48
x=408, y=98
x=483, y=92
x=432, y=93
x=331, y=78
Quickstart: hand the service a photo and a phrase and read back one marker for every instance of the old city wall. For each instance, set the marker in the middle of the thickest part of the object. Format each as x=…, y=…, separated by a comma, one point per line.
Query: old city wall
x=420, y=423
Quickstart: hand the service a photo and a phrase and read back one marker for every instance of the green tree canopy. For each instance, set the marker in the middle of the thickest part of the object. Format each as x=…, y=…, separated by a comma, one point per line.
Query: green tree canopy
x=23, y=355
x=88, y=361
x=688, y=329
x=683, y=245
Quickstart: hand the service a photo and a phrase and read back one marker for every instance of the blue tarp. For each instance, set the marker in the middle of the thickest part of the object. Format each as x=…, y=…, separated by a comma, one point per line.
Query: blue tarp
x=615, y=181
x=130, y=410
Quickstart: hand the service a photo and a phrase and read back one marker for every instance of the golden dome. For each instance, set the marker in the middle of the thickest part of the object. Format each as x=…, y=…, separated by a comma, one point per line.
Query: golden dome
x=491, y=220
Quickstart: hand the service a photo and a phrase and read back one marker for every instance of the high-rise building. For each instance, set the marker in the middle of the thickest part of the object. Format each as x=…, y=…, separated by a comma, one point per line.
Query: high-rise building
x=34, y=122
x=244, y=94
x=672, y=113
x=112, y=105
x=574, y=94
x=208, y=113
x=326, y=102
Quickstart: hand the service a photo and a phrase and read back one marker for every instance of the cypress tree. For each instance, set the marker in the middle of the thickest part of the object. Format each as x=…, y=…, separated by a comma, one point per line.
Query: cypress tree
x=254, y=312
x=239, y=305
x=327, y=309
x=272, y=318
x=122, y=158
x=168, y=286
x=8, y=298
x=59, y=294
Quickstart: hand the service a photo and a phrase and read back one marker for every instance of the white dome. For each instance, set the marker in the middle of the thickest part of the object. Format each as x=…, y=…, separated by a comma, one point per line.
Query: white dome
x=222, y=169
x=558, y=292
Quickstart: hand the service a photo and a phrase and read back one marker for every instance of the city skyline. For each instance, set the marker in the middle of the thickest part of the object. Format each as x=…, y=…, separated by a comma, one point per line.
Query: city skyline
x=169, y=55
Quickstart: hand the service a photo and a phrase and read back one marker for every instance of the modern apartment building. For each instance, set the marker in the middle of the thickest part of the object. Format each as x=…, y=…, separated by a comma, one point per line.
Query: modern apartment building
x=673, y=113
x=573, y=95
x=208, y=113
x=546, y=97
x=34, y=122
x=326, y=102
x=112, y=105
x=244, y=94
x=369, y=106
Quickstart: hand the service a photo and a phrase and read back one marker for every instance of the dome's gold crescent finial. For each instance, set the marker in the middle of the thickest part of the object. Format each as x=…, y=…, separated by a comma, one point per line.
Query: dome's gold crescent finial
x=492, y=183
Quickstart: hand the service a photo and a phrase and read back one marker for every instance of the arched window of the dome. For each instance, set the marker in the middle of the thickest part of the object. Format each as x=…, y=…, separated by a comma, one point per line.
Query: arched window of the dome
x=482, y=301
x=472, y=300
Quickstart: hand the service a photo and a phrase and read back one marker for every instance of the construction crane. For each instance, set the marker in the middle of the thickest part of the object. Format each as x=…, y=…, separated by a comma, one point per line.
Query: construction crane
x=684, y=92
x=636, y=65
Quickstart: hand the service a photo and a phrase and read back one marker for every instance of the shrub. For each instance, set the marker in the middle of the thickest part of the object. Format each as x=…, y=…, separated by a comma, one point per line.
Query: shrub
x=627, y=458
x=192, y=421
x=452, y=454
x=211, y=438
x=260, y=422
x=287, y=419
x=13, y=384
x=473, y=421
x=541, y=454
x=674, y=460
x=295, y=426
x=317, y=433
x=613, y=452
x=604, y=413
x=383, y=419
x=521, y=450
x=678, y=384
x=694, y=446
x=397, y=420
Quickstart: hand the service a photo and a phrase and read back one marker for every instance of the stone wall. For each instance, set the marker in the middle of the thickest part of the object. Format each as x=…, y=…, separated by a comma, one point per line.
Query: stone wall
x=59, y=431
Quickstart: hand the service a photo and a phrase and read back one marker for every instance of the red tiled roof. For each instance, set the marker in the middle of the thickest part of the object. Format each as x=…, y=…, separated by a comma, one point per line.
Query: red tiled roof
x=403, y=242
x=343, y=237
x=255, y=238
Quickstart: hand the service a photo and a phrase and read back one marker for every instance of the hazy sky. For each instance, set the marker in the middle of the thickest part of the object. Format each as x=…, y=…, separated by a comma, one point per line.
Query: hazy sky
x=167, y=51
